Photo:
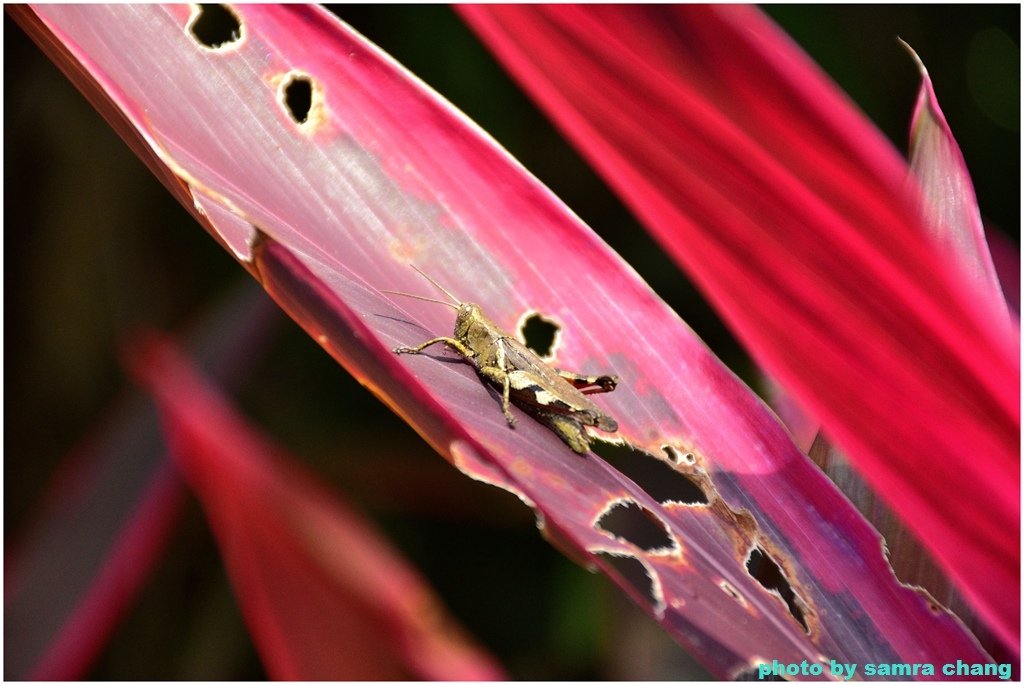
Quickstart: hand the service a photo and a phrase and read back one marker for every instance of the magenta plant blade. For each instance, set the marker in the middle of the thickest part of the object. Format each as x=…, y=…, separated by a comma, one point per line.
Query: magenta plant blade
x=801, y=222
x=950, y=203
x=750, y=555
x=74, y=573
x=325, y=597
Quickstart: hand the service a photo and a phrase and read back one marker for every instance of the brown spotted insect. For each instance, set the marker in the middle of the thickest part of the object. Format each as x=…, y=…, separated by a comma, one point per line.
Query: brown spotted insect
x=556, y=398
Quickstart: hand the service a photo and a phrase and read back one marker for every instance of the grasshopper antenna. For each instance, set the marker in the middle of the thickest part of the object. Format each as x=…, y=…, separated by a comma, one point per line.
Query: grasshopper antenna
x=420, y=297
x=429, y=299
x=437, y=285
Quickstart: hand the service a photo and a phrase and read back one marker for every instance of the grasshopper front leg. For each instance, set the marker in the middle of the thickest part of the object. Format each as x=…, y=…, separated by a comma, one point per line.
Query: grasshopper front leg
x=495, y=374
x=450, y=342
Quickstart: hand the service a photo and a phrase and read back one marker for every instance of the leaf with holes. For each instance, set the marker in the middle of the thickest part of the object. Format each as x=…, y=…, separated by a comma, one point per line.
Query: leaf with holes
x=796, y=216
x=715, y=522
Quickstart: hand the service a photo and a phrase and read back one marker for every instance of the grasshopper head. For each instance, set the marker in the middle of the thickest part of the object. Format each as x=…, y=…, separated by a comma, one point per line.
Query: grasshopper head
x=475, y=330
x=469, y=314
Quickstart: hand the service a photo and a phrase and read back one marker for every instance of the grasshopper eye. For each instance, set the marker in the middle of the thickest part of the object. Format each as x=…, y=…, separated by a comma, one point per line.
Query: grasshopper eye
x=539, y=334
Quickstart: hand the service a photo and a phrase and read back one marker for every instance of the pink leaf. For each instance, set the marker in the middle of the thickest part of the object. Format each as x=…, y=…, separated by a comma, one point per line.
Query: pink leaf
x=325, y=597
x=793, y=213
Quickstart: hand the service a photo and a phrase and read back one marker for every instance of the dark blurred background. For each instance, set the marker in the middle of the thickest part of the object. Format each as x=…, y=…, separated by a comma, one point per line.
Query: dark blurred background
x=95, y=247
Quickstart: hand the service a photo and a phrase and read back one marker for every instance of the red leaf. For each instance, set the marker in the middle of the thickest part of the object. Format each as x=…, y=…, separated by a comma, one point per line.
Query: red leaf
x=324, y=596
x=793, y=214
x=108, y=515
x=88, y=555
x=950, y=204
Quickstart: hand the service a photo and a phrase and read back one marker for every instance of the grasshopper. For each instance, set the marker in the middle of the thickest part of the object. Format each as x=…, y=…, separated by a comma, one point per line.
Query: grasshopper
x=556, y=398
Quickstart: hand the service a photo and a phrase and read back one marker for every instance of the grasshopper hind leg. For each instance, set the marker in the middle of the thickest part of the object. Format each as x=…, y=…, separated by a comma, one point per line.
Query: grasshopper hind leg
x=589, y=385
x=569, y=430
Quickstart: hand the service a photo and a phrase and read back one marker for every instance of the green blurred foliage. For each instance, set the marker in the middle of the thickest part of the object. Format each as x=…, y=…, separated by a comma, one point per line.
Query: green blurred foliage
x=95, y=248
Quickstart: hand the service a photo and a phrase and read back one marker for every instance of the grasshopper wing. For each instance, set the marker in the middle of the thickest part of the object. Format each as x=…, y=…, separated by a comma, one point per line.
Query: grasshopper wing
x=536, y=385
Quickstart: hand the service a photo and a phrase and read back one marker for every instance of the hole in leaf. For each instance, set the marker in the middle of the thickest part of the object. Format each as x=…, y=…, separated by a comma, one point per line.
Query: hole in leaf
x=658, y=479
x=215, y=26
x=539, y=334
x=635, y=524
x=728, y=589
x=677, y=457
x=298, y=98
x=634, y=573
x=764, y=570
